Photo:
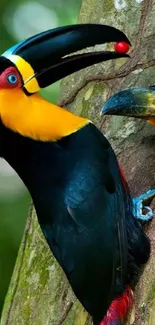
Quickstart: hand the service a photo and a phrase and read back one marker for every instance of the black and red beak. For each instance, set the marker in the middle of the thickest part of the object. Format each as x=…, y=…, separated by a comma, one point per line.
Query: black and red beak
x=41, y=59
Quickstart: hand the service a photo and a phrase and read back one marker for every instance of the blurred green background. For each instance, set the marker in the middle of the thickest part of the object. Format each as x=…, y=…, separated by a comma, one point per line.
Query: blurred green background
x=18, y=20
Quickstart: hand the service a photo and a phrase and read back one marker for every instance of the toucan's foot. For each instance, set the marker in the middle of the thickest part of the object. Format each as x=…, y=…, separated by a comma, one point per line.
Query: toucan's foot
x=119, y=308
x=139, y=205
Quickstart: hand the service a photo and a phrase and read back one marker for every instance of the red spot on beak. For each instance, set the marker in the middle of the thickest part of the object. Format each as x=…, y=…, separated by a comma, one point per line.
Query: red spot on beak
x=121, y=47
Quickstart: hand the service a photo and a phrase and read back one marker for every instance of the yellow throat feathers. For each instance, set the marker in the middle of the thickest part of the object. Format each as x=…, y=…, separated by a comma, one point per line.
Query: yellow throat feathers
x=34, y=117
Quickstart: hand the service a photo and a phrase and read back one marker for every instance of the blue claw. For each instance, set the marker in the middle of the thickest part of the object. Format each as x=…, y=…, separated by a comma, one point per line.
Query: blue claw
x=138, y=206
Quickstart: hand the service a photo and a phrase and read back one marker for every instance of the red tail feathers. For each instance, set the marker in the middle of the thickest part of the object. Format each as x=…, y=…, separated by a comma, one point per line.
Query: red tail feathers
x=119, y=308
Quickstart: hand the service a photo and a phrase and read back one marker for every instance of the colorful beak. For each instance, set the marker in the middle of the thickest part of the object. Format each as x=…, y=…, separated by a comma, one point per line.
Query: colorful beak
x=41, y=59
x=134, y=102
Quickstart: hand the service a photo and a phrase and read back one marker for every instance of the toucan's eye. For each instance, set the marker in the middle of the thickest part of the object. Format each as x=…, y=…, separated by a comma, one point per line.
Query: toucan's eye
x=12, y=79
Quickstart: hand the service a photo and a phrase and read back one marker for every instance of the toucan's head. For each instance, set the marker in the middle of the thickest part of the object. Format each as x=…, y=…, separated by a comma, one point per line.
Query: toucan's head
x=132, y=102
x=40, y=61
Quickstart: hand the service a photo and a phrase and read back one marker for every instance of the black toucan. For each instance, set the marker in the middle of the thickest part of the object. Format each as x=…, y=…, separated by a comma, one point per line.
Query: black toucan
x=80, y=195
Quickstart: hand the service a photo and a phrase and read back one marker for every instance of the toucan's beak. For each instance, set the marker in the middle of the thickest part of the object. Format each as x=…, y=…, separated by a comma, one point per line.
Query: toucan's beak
x=134, y=102
x=41, y=59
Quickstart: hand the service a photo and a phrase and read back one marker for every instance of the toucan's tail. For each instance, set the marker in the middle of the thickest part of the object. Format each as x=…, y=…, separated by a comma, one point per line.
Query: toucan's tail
x=118, y=309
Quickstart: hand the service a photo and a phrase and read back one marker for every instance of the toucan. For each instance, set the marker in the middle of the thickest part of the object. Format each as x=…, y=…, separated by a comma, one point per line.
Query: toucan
x=136, y=102
x=81, y=197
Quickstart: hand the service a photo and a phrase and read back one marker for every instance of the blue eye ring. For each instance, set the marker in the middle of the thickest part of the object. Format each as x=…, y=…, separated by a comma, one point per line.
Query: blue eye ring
x=12, y=79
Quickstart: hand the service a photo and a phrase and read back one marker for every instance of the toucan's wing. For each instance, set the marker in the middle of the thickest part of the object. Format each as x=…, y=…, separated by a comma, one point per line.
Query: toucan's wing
x=95, y=202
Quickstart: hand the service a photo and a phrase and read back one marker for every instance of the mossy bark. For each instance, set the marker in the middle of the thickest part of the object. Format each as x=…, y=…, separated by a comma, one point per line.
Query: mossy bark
x=39, y=293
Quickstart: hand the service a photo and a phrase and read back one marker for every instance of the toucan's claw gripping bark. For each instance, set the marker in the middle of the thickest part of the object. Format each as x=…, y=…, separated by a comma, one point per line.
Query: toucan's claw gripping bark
x=139, y=204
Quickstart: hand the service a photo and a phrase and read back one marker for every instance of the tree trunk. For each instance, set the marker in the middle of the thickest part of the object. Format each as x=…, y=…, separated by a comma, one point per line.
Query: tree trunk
x=39, y=293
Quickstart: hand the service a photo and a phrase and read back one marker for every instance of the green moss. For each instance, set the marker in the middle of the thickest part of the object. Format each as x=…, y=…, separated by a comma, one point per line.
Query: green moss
x=151, y=293
x=89, y=102
x=108, y=7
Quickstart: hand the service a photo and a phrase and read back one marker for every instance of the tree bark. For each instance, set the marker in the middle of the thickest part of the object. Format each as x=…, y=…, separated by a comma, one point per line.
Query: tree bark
x=39, y=293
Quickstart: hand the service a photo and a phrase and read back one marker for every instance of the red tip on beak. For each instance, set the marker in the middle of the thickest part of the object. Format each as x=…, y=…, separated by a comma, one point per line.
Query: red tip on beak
x=121, y=47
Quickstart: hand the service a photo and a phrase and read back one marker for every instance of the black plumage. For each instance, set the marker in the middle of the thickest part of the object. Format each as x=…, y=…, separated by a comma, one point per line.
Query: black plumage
x=84, y=210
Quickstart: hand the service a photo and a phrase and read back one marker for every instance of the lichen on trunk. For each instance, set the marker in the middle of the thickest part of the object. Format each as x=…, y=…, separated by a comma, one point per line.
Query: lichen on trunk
x=39, y=293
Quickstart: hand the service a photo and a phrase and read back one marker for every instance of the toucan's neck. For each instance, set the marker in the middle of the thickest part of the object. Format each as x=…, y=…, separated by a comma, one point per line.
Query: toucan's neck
x=38, y=119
